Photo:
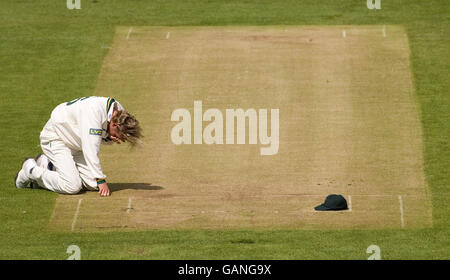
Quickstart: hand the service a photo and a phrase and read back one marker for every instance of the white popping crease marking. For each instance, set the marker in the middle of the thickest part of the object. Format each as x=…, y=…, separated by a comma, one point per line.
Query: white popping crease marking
x=402, y=219
x=344, y=33
x=129, y=32
x=384, y=30
x=75, y=217
x=349, y=203
x=168, y=35
x=129, y=205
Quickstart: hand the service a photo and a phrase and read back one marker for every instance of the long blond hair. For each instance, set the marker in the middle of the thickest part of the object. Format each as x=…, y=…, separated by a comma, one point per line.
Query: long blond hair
x=128, y=126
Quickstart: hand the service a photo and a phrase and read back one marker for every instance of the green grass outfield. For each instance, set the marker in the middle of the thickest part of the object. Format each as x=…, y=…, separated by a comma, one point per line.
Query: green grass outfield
x=49, y=54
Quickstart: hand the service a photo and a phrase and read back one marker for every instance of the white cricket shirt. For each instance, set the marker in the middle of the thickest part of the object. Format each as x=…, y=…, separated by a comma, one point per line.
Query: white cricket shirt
x=82, y=123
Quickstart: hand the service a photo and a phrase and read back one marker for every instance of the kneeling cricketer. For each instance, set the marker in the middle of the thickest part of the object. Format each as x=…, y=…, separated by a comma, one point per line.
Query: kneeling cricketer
x=70, y=142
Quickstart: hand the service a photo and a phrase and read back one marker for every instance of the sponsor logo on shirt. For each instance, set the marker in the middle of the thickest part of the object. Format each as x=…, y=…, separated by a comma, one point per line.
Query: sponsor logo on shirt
x=95, y=131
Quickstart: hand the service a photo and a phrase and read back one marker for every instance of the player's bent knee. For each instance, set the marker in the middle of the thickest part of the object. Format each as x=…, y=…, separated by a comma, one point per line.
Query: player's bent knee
x=72, y=191
x=73, y=186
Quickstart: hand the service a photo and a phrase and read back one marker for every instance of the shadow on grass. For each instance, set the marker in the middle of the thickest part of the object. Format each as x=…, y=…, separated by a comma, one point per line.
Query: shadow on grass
x=116, y=187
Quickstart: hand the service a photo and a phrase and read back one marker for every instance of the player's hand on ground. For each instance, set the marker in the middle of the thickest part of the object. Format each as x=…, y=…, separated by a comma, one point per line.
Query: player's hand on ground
x=103, y=190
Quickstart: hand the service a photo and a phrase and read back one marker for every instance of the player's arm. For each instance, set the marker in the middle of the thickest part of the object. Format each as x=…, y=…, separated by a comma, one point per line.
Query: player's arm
x=91, y=138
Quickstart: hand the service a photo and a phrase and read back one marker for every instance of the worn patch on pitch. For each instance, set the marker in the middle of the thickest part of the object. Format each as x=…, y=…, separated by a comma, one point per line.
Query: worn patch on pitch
x=348, y=124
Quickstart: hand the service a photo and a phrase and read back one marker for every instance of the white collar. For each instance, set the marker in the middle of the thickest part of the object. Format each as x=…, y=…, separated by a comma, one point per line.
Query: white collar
x=111, y=110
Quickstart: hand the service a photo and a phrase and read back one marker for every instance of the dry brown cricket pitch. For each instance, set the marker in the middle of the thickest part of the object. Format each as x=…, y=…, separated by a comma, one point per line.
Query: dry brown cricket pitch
x=349, y=124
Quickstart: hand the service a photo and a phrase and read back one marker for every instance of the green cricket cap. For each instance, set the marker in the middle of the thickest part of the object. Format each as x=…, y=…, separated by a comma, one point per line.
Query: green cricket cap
x=333, y=202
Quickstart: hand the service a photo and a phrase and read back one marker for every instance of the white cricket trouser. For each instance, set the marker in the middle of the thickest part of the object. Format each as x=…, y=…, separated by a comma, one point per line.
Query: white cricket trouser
x=71, y=172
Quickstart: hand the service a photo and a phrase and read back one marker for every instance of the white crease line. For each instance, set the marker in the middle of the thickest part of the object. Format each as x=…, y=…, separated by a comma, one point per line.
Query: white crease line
x=344, y=34
x=129, y=205
x=76, y=214
x=129, y=32
x=349, y=203
x=168, y=35
x=384, y=30
x=401, y=211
